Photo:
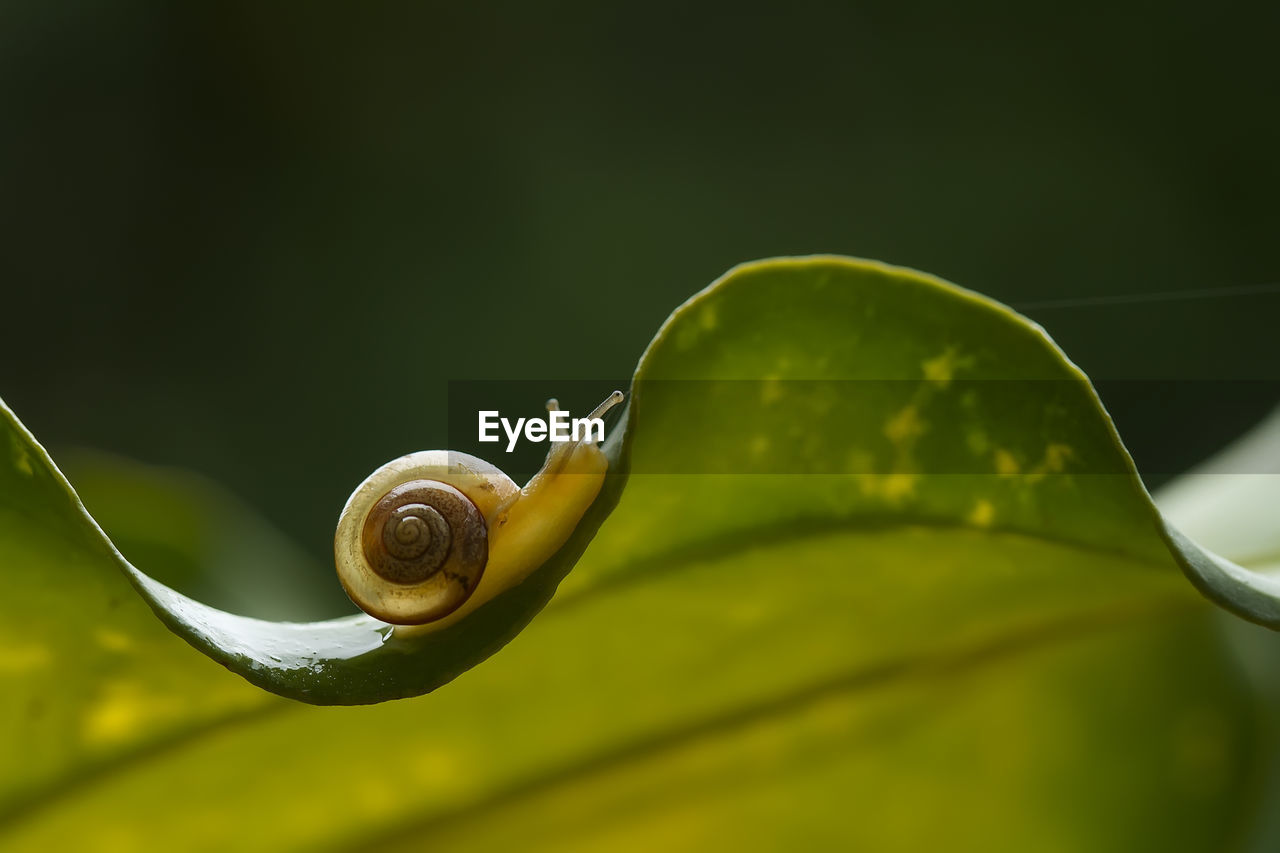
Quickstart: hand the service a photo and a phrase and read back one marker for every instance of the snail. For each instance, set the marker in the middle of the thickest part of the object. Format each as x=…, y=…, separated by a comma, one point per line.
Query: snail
x=431, y=536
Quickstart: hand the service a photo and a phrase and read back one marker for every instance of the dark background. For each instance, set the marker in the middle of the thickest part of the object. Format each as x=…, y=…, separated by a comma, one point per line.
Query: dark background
x=256, y=240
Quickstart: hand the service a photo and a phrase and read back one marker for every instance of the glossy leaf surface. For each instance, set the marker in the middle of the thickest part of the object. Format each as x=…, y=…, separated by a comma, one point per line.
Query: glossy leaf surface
x=936, y=609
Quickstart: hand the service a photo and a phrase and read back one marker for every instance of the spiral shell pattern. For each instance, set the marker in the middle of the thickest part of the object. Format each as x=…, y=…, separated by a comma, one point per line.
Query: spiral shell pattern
x=413, y=542
x=424, y=530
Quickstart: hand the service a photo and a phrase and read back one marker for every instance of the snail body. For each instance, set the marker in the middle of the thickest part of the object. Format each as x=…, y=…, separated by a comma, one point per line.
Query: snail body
x=431, y=536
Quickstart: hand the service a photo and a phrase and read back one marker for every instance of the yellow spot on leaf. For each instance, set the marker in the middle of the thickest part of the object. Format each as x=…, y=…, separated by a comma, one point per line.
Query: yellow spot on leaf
x=434, y=765
x=892, y=488
x=983, y=514
x=1006, y=465
x=770, y=390
x=941, y=369
x=21, y=659
x=123, y=710
x=1056, y=456
x=759, y=445
x=708, y=317
x=112, y=641
x=904, y=427
x=898, y=486
x=1054, y=462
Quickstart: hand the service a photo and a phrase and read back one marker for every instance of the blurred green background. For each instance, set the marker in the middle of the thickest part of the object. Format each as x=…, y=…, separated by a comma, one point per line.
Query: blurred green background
x=256, y=241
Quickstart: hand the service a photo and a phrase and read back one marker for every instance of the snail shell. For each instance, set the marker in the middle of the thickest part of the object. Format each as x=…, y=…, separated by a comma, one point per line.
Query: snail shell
x=429, y=537
x=413, y=540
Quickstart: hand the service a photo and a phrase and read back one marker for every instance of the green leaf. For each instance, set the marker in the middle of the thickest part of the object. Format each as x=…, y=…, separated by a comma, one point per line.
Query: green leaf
x=934, y=609
x=349, y=660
